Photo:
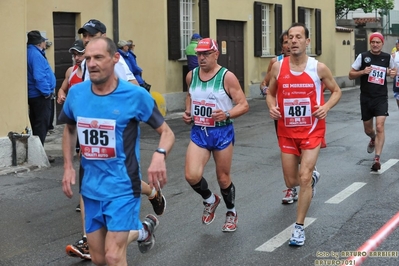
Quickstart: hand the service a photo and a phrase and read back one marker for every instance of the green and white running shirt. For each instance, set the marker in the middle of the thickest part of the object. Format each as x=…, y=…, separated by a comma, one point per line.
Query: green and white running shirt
x=207, y=96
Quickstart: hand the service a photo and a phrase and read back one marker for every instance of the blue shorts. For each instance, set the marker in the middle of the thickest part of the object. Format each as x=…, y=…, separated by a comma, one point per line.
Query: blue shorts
x=213, y=138
x=118, y=215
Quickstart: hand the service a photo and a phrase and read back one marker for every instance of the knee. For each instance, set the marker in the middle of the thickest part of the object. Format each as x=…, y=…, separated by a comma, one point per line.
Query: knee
x=368, y=131
x=305, y=179
x=224, y=180
x=97, y=260
x=290, y=183
x=191, y=179
x=380, y=128
x=112, y=259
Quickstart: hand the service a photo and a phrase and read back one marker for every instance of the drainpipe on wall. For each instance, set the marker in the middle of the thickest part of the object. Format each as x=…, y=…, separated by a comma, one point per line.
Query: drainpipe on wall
x=13, y=136
x=115, y=20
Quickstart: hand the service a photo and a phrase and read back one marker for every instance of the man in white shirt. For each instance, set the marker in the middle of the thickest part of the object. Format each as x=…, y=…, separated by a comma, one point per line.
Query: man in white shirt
x=95, y=28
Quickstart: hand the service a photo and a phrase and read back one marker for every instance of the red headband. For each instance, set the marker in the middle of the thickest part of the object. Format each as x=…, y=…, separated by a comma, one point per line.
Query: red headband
x=378, y=35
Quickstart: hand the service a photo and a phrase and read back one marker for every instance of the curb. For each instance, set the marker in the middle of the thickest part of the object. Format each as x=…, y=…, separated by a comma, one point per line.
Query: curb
x=17, y=169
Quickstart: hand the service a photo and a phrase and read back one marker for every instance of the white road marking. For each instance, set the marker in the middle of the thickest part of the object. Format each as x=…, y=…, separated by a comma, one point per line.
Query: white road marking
x=341, y=196
x=281, y=238
x=385, y=166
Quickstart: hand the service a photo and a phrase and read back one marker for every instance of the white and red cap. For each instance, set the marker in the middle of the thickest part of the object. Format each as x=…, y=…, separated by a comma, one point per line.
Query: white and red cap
x=207, y=44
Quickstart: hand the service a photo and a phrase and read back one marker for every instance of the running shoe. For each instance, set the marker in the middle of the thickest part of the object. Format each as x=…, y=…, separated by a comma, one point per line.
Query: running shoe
x=291, y=195
x=209, y=211
x=297, y=236
x=315, y=176
x=80, y=249
x=230, y=225
x=77, y=208
x=376, y=165
x=150, y=224
x=371, y=146
x=158, y=203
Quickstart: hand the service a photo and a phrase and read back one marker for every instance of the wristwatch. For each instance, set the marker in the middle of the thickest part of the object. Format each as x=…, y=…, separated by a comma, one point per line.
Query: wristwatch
x=227, y=115
x=160, y=150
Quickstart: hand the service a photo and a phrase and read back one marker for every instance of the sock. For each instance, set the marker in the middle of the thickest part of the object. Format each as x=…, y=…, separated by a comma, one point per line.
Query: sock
x=153, y=193
x=229, y=195
x=299, y=224
x=202, y=188
x=143, y=234
x=377, y=157
x=211, y=199
x=233, y=210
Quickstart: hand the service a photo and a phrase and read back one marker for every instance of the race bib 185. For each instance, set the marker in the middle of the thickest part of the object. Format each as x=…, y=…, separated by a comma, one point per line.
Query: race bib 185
x=96, y=138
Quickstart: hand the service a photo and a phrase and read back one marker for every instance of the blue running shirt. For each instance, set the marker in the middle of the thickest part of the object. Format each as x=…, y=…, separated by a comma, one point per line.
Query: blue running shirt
x=109, y=135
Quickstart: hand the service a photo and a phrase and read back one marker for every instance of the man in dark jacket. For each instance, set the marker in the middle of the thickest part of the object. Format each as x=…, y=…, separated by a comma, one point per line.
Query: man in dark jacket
x=41, y=84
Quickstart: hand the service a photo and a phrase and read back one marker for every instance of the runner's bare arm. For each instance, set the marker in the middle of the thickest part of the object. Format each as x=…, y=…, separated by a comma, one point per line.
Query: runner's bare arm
x=64, y=87
x=157, y=176
x=353, y=73
x=187, y=112
x=271, y=102
x=68, y=149
x=233, y=88
x=266, y=81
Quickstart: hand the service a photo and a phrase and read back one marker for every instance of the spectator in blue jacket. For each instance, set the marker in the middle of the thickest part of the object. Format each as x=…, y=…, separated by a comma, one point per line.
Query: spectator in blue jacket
x=125, y=48
x=192, y=60
x=41, y=84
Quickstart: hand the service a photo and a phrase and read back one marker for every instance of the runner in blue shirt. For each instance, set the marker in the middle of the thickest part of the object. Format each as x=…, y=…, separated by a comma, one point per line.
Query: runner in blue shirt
x=105, y=113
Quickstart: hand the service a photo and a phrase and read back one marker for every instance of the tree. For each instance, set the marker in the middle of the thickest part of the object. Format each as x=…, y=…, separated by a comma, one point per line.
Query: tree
x=342, y=7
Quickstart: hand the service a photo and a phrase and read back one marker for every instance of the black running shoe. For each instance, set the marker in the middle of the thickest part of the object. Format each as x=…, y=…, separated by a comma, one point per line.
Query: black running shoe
x=158, y=203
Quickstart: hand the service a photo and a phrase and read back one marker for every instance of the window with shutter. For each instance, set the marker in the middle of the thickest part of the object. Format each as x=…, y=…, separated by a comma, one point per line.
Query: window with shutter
x=181, y=26
x=257, y=29
x=204, y=18
x=301, y=14
x=262, y=29
x=318, y=31
x=173, y=12
x=306, y=16
x=278, y=27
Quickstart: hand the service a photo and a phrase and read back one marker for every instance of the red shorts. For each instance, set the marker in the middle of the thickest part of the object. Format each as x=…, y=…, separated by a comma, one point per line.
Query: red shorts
x=295, y=146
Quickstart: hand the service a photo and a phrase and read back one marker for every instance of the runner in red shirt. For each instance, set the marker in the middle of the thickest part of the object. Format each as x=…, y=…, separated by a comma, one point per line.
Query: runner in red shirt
x=296, y=100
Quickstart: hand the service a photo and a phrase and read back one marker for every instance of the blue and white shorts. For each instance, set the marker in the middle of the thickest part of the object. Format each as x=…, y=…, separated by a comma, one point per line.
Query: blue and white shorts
x=213, y=138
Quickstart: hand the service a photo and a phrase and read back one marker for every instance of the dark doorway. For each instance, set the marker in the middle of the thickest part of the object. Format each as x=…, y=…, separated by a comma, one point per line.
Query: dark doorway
x=230, y=38
x=64, y=36
x=360, y=45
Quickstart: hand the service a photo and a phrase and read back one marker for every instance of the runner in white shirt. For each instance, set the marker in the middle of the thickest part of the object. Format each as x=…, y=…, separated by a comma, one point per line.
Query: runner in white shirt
x=121, y=70
x=95, y=28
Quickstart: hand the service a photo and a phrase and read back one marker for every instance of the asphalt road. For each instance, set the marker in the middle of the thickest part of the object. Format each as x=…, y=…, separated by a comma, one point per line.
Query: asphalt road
x=37, y=221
